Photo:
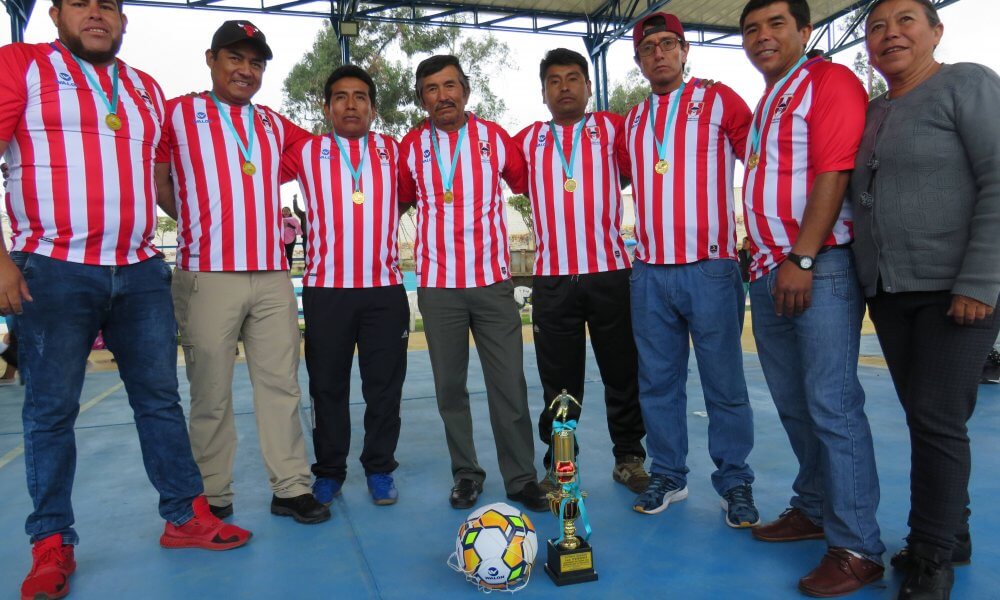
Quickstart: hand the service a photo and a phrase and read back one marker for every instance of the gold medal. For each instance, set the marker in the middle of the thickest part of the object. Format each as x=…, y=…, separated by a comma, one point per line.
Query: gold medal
x=249, y=169
x=753, y=161
x=113, y=122
x=570, y=185
x=449, y=197
x=358, y=197
x=661, y=167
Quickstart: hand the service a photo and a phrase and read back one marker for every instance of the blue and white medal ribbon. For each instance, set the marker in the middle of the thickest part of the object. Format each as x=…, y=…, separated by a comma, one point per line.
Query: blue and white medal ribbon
x=247, y=151
x=112, y=120
x=570, y=184
x=662, y=166
x=358, y=197
x=449, y=195
x=757, y=125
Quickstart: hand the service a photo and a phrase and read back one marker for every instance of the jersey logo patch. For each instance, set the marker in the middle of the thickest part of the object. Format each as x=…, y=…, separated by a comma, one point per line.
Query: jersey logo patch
x=324, y=154
x=782, y=106
x=200, y=117
x=694, y=109
x=144, y=95
x=266, y=122
x=427, y=156
x=66, y=80
x=383, y=155
x=542, y=138
x=594, y=133
x=635, y=122
x=485, y=150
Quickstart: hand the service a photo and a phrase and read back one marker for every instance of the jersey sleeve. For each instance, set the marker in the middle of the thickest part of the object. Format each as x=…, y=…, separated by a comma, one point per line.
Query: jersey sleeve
x=836, y=119
x=293, y=133
x=291, y=161
x=736, y=118
x=407, y=187
x=14, y=63
x=622, y=156
x=168, y=139
x=515, y=168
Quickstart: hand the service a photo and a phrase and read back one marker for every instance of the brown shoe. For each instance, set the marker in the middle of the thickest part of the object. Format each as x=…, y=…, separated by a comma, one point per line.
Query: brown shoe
x=839, y=573
x=631, y=474
x=792, y=526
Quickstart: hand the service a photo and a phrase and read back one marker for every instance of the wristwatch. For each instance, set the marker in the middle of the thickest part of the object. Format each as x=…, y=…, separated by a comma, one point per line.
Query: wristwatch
x=806, y=263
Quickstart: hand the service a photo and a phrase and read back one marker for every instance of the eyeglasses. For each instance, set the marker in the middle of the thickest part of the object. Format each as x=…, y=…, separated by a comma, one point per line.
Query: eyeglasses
x=666, y=45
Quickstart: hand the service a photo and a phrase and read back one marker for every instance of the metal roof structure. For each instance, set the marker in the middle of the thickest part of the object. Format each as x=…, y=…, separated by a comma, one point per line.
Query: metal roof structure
x=598, y=22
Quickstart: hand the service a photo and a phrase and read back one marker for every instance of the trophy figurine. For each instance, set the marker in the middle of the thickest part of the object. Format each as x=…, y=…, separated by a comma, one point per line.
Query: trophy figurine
x=570, y=558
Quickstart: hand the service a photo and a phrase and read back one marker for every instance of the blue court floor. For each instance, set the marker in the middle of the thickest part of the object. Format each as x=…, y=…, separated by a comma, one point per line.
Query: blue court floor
x=400, y=551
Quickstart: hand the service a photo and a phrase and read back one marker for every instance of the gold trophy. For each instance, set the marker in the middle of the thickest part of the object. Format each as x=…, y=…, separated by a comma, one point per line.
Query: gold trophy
x=570, y=557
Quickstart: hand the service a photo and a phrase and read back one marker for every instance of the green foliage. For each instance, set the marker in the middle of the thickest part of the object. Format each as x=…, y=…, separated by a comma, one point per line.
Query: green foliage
x=389, y=52
x=522, y=204
x=872, y=81
x=164, y=225
x=627, y=94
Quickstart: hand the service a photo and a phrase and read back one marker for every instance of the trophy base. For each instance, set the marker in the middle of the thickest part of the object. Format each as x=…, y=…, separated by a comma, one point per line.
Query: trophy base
x=566, y=567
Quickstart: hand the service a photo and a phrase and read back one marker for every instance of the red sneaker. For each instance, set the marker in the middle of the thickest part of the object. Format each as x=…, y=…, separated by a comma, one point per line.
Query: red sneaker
x=204, y=530
x=52, y=564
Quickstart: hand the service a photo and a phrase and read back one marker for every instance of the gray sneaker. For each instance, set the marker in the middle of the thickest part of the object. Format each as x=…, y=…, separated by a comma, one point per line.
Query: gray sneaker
x=658, y=496
x=739, y=507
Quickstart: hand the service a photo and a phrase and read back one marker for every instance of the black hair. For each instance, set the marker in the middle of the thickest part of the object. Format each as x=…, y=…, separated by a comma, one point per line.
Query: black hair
x=344, y=72
x=564, y=58
x=929, y=9
x=799, y=10
x=439, y=62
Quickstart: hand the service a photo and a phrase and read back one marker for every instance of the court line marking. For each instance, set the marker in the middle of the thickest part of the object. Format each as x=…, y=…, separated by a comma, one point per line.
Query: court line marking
x=19, y=449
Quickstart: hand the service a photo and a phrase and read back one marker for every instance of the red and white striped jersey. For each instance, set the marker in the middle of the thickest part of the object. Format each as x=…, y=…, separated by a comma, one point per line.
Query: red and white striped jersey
x=226, y=220
x=350, y=245
x=463, y=243
x=687, y=214
x=78, y=191
x=814, y=126
x=575, y=232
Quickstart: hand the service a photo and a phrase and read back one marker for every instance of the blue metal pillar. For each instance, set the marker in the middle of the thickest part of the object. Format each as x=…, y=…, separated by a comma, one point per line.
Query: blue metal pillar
x=19, y=11
x=597, y=48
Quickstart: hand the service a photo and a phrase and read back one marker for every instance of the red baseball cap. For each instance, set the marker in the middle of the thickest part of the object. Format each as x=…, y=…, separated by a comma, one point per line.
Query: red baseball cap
x=644, y=27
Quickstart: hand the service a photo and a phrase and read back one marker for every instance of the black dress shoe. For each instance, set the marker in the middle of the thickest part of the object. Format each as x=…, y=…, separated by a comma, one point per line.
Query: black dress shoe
x=961, y=554
x=927, y=580
x=465, y=493
x=221, y=512
x=532, y=497
x=304, y=509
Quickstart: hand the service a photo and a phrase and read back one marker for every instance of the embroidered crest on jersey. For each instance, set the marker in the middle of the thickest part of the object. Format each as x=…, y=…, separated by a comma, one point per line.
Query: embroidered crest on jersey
x=266, y=122
x=142, y=93
x=694, y=109
x=485, y=150
x=383, y=155
x=782, y=105
x=594, y=133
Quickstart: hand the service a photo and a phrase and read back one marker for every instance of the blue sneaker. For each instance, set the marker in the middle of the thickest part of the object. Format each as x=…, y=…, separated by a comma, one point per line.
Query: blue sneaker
x=658, y=496
x=382, y=489
x=739, y=507
x=325, y=489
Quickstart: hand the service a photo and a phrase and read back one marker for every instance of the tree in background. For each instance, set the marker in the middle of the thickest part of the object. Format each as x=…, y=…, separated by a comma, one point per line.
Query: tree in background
x=628, y=93
x=522, y=204
x=872, y=81
x=376, y=51
x=164, y=225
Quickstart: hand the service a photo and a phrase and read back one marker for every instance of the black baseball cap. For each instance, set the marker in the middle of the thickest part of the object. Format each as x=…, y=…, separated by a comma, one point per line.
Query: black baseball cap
x=233, y=32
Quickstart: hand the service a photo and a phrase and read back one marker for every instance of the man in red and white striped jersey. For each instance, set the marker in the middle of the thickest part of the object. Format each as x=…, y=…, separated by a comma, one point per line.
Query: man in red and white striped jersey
x=79, y=128
x=678, y=147
x=218, y=171
x=352, y=292
x=581, y=267
x=806, y=301
x=451, y=166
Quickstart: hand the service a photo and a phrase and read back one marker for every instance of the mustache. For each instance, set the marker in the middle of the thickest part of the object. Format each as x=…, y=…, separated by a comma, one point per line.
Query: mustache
x=444, y=104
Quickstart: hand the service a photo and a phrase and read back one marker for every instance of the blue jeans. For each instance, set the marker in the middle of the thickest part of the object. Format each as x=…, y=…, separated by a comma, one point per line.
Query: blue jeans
x=810, y=363
x=132, y=305
x=703, y=300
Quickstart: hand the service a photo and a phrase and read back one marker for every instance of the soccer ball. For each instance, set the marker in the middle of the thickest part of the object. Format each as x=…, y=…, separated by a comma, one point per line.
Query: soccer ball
x=496, y=547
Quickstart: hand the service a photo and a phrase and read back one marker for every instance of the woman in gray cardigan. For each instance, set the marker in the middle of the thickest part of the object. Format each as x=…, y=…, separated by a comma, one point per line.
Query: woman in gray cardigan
x=926, y=199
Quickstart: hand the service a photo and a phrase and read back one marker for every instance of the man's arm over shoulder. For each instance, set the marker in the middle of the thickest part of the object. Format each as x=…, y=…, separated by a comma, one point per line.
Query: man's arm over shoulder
x=736, y=118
